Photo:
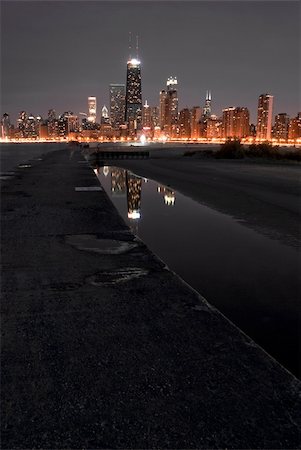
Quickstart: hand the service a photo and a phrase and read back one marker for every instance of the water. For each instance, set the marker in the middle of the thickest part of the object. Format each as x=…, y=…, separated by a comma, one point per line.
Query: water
x=12, y=154
x=251, y=279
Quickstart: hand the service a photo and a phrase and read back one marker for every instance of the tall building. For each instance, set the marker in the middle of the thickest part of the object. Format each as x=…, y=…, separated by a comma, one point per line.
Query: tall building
x=207, y=107
x=133, y=96
x=184, y=123
x=105, y=115
x=171, y=107
x=146, y=115
x=264, y=117
x=52, y=124
x=294, y=128
x=213, y=127
x=22, y=123
x=163, y=95
x=91, y=109
x=236, y=122
x=5, y=126
x=117, y=105
x=155, y=116
x=196, y=114
x=280, y=129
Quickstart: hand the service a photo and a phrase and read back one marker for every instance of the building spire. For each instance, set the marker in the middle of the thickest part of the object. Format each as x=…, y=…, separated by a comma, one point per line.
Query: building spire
x=130, y=45
x=137, y=46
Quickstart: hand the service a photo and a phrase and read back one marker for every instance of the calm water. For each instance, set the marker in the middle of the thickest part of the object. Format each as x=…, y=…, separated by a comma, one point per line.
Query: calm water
x=251, y=279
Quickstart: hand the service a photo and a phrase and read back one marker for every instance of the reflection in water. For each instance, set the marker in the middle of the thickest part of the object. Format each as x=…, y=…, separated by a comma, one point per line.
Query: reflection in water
x=118, y=182
x=253, y=280
x=169, y=195
x=133, y=188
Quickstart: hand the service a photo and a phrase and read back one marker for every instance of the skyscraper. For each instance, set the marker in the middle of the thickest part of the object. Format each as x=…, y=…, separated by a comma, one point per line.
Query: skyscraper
x=91, y=109
x=294, y=128
x=155, y=116
x=146, y=115
x=207, y=107
x=280, y=129
x=133, y=96
x=163, y=95
x=105, y=115
x=264, y=117
x=52, y=124
x=184, y=123
x=171, y=106
x=117, y=105
x=236, y=122
x=196, y=115
x=5, y=126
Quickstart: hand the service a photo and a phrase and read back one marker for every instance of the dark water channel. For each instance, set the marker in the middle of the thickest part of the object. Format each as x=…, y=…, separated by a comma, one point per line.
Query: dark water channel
x=251, y=279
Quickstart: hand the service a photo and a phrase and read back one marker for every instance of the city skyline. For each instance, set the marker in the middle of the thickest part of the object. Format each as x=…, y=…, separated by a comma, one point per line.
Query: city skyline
x=235, y=77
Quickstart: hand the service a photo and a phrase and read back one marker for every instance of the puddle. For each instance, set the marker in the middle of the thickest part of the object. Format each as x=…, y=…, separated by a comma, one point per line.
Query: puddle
x=91, y=243
x=246, y=275
x=112, y=277
x=87, y=188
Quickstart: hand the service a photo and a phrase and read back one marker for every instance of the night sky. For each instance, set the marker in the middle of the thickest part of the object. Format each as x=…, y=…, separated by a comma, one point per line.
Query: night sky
x=57, y=53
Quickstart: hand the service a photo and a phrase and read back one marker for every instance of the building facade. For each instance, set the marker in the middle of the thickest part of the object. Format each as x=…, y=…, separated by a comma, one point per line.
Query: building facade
x=264, y=117
x=92, y=109
x=133, y=97
x=280, y=129
x=117, y=105
x=294, y=128
x=235, y=122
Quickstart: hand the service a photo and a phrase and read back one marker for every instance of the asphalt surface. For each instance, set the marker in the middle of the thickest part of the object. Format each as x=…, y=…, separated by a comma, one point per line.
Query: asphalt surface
x=104, y=347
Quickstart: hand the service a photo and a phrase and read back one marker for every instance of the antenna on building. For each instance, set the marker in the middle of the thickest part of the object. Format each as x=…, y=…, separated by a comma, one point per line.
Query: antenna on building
x=130, y=45
x=137, y=46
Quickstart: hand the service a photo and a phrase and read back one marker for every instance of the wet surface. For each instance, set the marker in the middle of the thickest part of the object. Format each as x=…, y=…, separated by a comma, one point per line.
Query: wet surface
x=252, y=279
x=103, y=246
x=115, y=276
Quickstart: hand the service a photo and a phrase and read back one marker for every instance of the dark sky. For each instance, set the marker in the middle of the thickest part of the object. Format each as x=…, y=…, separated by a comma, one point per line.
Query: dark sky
x=57, y=53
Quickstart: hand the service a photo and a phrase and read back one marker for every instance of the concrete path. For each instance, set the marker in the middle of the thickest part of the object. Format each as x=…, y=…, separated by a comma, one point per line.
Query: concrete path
x=104, y=347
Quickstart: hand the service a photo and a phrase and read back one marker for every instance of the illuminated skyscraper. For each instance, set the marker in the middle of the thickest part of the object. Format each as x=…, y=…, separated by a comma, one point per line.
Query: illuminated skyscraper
x=184, y=123
x=52, y=124
x=163, y=95
x=280, y=129
x=294, y=127
x=117, y=105
x=105, y=115
x=146, y=115
x=207, y=107
x=171, y=106
x=22, y=123
x=5, y=126
x=236, y=122
x=91, y=109
x=155, y=117
x=196, y=114
x=264, y=117
x=133, y=96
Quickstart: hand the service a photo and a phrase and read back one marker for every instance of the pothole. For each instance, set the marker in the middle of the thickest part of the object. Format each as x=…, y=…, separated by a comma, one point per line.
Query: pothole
x=91, y=243
x=107, y=278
